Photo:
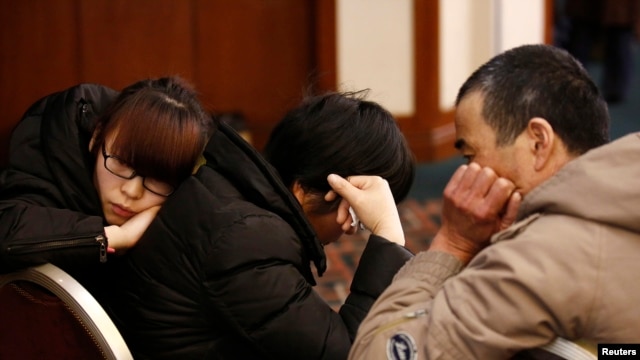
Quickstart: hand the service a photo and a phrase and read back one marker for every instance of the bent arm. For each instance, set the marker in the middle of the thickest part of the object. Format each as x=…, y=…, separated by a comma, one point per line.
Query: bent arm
x=503, y=302
x=278, y=311
x=379, y=263
x=268, y=301
x=49, y=211
x=32, y=235
x=36, y=227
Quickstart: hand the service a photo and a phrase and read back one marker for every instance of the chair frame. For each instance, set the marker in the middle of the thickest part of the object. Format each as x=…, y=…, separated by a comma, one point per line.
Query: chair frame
x=568, y=350
x=72, y=293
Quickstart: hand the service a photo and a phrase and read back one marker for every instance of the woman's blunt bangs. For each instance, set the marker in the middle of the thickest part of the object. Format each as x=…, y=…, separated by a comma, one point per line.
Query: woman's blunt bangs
x=165, y=145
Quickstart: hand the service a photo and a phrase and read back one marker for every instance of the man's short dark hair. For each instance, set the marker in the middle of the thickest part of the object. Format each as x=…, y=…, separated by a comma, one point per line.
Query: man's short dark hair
x=540, y=81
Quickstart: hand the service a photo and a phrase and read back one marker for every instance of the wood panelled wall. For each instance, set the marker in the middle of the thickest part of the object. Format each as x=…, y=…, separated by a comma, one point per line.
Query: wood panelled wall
x=430, y=131
x=253, y=56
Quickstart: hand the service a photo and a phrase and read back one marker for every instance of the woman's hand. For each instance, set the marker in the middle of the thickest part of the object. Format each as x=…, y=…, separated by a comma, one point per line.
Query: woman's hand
x=125, y=236
x=372, y=200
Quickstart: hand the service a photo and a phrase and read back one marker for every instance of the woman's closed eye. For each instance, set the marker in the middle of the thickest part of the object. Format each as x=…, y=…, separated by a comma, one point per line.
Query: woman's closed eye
x=118, y=165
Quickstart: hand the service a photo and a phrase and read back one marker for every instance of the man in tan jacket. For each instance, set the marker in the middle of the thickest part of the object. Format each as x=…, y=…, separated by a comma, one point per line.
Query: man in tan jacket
x=565, y=268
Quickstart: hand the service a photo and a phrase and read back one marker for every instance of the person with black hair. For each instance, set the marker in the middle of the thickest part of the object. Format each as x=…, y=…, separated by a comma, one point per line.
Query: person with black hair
x=535, y=130
x=225, y=270
x=339, y=134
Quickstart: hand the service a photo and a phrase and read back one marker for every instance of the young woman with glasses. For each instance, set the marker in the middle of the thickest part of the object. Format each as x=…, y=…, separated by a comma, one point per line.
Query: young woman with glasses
x=89, y=169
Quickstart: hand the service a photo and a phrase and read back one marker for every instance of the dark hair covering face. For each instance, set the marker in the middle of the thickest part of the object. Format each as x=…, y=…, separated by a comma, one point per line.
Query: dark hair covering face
x=540, y=81
x=343, y=134
x=159, y=128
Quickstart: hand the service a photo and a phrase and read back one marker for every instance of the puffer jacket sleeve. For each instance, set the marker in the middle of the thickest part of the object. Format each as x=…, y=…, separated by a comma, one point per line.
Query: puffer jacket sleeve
x=260, y=290
x=254, y=280
x=49, y=211
x=34, y=234
x=378, y=264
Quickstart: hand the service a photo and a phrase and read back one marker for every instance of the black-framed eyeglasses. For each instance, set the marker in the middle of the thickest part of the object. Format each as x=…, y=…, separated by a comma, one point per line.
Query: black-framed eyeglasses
x=121, y=169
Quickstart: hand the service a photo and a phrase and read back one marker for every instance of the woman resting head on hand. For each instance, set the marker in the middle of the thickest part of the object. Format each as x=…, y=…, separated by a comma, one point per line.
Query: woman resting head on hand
x=97, y=179
x=145, y=144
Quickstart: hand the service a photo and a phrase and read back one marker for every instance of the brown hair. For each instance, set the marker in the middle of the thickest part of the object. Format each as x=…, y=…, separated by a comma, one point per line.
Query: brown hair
x=159, y=128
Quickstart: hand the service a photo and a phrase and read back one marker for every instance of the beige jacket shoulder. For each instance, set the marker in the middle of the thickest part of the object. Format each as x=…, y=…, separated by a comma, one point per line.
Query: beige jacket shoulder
x=568, y=268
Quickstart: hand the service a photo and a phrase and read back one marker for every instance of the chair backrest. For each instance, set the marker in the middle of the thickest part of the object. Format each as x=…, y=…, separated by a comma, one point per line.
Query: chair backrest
x=46, y=314
x=559, y=349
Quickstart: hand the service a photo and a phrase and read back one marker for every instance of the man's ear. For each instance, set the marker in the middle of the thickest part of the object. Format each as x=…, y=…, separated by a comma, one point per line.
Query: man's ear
x=542, y=141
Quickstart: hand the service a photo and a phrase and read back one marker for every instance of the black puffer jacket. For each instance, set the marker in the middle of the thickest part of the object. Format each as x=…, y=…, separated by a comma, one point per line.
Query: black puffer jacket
x=224, y=271
x=49, y=208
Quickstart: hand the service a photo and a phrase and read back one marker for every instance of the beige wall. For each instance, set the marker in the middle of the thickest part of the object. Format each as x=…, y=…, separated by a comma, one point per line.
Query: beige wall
x=375, y=47
x=375, y=50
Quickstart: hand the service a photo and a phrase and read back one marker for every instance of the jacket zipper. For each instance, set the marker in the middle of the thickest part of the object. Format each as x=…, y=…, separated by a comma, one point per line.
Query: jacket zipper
x=406, y=317
x=103, y=248
x=60, y=244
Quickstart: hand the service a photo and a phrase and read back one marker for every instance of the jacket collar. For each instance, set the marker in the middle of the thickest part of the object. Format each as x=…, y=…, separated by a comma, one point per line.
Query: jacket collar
x=230, y=155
